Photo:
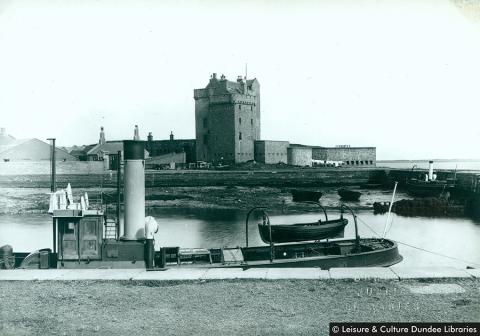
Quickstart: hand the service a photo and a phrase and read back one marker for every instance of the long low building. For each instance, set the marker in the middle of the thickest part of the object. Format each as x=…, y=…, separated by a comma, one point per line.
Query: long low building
x=31, y=150
x=273, y=152
x=345, y=155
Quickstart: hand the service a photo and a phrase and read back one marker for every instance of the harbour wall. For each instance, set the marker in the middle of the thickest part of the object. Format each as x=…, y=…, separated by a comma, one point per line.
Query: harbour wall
x=90, y=174
x=21, y=168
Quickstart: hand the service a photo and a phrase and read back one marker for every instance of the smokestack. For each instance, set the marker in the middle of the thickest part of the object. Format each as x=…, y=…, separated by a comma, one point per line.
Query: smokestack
x=430, y=170
x=101, y=141
x=134, y=189
x=136, y=135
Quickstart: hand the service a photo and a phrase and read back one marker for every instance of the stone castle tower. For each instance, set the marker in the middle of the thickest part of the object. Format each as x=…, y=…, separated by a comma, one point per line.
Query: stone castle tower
x=227, y=119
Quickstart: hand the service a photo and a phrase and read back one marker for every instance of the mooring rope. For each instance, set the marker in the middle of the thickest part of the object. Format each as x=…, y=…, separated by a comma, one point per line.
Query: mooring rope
x=439, y=254
x=420, y=248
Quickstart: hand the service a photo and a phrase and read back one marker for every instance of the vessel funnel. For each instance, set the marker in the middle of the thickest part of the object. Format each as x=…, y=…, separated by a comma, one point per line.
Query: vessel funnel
x=134, y=190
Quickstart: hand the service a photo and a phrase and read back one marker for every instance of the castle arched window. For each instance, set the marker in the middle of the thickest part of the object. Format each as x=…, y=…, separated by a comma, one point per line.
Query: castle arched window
x=239, y=135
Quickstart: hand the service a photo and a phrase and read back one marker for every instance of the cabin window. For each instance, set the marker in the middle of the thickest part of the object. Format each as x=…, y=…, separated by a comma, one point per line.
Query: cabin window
x=70, y=228
x=239, y=135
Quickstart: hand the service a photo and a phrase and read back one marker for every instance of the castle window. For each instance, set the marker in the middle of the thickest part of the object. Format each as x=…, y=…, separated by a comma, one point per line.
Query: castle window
x=371, y=162
x=239, y=135
x=251, y=108
x=204, y=122
x=239, y=107
x=251, y=122
x=240, y=121
x=205, y=139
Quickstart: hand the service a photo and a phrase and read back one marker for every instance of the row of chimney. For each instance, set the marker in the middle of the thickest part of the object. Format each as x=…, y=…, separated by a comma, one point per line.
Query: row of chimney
x=136, y=135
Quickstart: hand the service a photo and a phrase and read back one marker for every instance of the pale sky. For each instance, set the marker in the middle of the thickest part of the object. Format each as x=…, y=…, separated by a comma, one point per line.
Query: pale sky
x=403, y=76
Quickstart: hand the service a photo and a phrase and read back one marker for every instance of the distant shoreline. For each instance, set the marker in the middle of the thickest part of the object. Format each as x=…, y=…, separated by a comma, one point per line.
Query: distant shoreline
x=426, y=160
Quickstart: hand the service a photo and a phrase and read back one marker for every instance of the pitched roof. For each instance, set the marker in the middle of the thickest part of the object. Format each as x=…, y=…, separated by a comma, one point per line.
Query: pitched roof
x=12, y=144
x=32, y=148
x=6, y=139
x=111, y=147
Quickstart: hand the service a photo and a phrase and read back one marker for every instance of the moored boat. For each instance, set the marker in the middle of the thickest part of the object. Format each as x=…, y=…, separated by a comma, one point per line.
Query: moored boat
x=430, y=186
x=367, y=252
x=81, y=238
x=357, y=252
x=349, y=195
x=300, y=195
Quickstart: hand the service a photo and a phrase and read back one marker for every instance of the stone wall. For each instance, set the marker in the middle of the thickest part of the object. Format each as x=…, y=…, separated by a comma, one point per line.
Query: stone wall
x=43, y=167
x=162, y=147
x=351, y=156
x=271, y=152
x=299, y=156
x=227, y=120
x=166, y=159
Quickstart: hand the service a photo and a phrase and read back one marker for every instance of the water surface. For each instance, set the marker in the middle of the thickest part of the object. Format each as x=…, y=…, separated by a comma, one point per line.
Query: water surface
x=455, y=237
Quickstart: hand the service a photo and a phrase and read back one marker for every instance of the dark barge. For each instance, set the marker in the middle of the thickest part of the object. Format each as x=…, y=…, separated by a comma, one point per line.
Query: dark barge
x=301, y=195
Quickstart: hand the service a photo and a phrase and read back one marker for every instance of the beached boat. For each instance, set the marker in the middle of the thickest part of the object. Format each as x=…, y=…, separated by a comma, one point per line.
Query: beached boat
x=299, y=195
x=349, y=195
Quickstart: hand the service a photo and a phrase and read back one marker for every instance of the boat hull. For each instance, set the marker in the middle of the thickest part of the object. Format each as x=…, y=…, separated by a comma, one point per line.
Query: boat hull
x=305, y=195
x=426, y=188
x=302, y=232
x=374, y=253
x=349, y=195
